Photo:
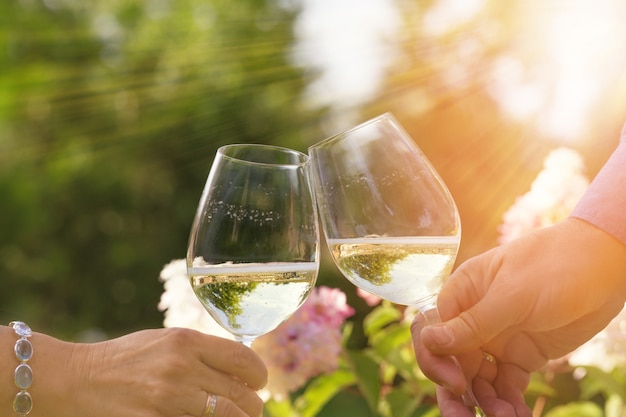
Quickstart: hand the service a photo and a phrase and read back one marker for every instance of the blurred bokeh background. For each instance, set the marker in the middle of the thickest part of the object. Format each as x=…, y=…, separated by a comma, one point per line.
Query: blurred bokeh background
x=111, y=112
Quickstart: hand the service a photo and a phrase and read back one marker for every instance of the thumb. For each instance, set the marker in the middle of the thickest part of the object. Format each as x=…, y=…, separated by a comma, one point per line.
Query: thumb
x=474, y=311
x=452, y=337
x=471, y=329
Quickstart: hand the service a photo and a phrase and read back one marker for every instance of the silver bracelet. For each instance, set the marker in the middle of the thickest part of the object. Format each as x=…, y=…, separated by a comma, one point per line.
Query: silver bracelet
x=23, y=403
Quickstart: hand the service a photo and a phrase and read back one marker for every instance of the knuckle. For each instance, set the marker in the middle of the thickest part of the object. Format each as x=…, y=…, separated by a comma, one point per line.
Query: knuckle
x=180, y=336
x=243, y=398
x=473, y=327
x=229, y=408
x=236, y=391
x=242, y=357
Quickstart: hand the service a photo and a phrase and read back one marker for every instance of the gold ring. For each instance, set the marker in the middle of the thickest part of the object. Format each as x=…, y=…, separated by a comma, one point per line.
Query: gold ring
x=211, y=405
x=489, y=357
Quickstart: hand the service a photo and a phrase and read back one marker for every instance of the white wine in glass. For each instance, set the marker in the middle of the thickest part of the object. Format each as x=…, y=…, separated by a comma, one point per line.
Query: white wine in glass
x=253, y=254
x=403, y=270
x=391, y=224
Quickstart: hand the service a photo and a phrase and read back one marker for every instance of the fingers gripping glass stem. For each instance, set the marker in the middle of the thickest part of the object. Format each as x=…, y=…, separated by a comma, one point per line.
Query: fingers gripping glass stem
x=431, y=315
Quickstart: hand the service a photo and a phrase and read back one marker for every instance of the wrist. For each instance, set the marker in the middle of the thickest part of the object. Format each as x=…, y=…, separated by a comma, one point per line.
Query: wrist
x=608, y=255
x=56, y=377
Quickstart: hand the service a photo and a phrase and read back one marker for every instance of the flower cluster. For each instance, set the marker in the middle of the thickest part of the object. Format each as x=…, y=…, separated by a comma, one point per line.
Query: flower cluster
x=306, y=345
x=606, y=349
x=369, y=298
x=180, y=305
x=552, y=196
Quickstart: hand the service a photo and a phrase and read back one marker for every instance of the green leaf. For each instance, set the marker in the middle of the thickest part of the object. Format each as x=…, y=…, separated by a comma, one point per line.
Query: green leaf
x=539, y=387
x=368, y=379
x=393, y=338
x=346, y=332
x=321, y=390
x=597, y=381
x=348, y=403
x=403, y=359
x=615, y=406
x=403, y=404
x=274, y=408
x=576, y=409
x=380, y=317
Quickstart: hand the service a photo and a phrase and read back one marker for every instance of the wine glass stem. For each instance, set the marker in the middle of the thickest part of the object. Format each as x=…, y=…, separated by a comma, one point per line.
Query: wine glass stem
x=245, y=340
x=431, y=314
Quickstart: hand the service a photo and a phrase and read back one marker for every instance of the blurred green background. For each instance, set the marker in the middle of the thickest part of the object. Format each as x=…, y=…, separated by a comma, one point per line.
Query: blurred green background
x=111, y=112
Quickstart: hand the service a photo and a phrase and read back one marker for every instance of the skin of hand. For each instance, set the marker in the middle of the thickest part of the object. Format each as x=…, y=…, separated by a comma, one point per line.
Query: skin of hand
x=531, y=300
x=159, y=372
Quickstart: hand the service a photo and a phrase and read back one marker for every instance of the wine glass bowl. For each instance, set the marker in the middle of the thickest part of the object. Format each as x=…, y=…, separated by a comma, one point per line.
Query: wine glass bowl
x=253, y=253
x=391, y=225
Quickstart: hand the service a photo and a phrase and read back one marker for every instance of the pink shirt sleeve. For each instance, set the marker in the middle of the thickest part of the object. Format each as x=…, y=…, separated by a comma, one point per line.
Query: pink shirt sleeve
x=604, y=202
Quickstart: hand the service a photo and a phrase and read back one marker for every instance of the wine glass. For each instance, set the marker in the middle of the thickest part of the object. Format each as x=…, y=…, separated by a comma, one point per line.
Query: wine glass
x=390, y=222
x=253, y=254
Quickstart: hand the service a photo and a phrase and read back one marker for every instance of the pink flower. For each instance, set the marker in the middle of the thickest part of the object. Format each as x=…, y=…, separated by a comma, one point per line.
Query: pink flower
x=307, y=344
x=329, y=305
x=370, y=299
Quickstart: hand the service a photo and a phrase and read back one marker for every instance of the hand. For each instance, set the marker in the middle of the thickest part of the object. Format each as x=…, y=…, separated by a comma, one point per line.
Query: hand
x=498, y=387
x=169, y=373
x=531, y=300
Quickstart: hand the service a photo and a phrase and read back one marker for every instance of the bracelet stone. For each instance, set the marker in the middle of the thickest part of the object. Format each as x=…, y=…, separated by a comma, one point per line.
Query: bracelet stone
x=23, y=403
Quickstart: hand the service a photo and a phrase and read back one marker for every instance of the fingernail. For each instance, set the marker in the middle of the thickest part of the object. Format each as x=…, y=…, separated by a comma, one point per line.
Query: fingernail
x=440, y=334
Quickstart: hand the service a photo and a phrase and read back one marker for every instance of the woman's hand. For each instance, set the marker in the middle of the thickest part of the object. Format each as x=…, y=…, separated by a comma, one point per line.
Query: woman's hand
x=169, y=373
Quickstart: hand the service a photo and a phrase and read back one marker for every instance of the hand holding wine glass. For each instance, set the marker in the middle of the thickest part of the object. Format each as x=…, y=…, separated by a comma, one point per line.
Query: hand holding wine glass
x=253, y=254
x=391, y=224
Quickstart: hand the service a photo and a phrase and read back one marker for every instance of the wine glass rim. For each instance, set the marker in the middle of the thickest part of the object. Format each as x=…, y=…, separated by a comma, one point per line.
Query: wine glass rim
x=386, y=115
x=303, y=159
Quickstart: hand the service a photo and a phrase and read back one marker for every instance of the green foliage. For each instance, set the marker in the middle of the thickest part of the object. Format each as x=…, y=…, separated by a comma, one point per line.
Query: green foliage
x=381, y=379
x=110, y=115
x=561, y=390
x=374, y=268
x=322, y=390
x=225, y=297
x=576, y=409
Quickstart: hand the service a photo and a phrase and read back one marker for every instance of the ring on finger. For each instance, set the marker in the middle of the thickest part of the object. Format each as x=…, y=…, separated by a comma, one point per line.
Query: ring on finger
x=489, y=357
x=211, y=405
